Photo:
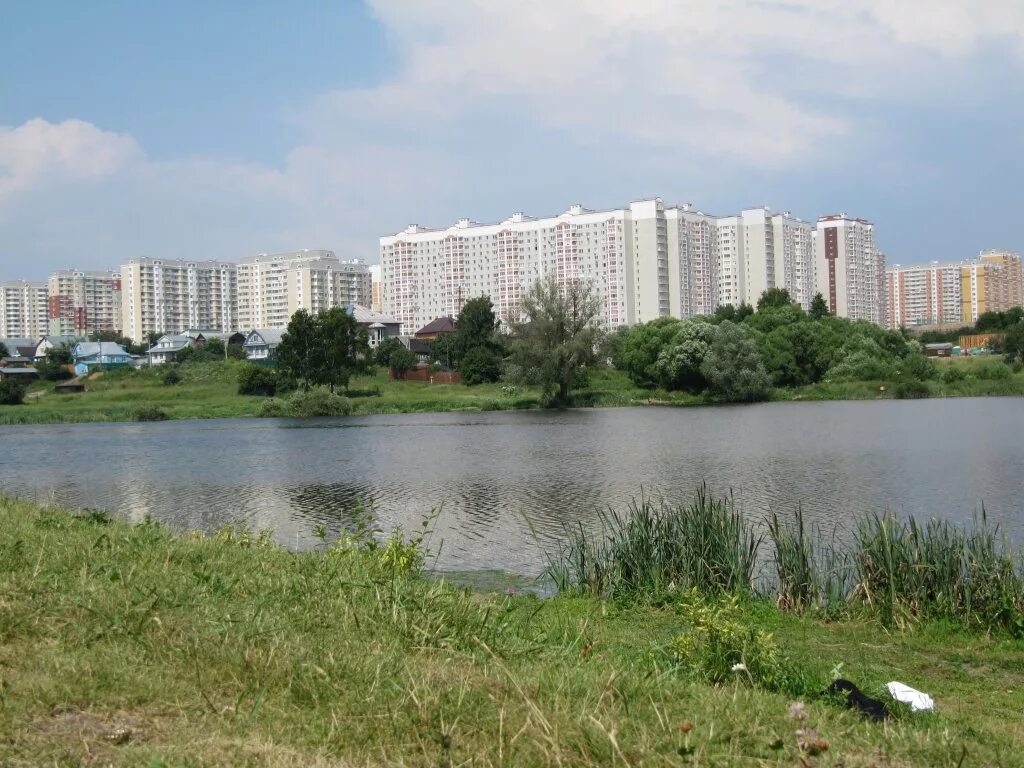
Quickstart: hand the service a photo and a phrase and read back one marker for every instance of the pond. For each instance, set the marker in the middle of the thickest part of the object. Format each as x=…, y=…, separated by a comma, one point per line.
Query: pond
x=507, y=484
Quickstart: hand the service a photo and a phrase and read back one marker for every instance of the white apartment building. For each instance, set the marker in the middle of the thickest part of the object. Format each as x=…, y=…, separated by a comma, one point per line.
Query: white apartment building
x=928, y=294
x=84, y=301
x=170, y=295
x=693, y=261
x=429, y=273
x=645, y=261
x=273, y=287
x=793, y=246
x=23, y=309
x=758, y=251
x=850, y=269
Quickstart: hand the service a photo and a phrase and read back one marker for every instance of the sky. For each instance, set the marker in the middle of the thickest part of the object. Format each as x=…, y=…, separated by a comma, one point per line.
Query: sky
x=218, y=129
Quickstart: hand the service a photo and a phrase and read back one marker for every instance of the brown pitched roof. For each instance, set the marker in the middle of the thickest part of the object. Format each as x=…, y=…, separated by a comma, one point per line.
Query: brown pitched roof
x=440, y=325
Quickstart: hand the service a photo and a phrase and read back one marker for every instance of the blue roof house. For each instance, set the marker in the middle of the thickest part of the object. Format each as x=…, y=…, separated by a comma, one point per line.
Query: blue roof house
x=91, y=356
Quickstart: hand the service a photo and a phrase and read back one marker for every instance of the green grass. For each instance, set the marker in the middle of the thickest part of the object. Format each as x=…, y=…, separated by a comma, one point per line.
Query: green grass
x=130, y=645
x=210, y=391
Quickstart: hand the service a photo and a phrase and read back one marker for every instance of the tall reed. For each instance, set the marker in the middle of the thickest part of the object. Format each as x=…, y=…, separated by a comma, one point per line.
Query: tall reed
x=657, y=547
x=897, y=569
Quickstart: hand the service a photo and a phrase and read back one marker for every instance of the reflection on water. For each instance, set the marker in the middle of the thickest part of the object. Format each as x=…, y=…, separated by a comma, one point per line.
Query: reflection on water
x=508, y=483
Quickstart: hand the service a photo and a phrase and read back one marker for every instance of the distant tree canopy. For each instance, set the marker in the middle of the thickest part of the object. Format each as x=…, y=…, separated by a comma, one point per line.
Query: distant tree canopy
x=559, y=339
x=779, y=344
x=324, y=349
x=3, y=350
x=819, y=307
x=401, y=360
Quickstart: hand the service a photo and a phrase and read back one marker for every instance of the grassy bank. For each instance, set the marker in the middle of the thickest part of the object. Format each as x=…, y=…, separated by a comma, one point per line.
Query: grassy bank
x=210, y=390
x=129, y=645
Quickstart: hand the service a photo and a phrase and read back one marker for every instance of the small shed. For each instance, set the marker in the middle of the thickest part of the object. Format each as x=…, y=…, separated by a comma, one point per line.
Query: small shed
x=942, y=349
x=22, y=374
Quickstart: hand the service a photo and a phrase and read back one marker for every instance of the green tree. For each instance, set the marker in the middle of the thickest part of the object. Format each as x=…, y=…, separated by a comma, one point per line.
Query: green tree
x=799, y=353
x=642, y=346
x=819, y=307
x=559, y=339
x=51, y=370
x=60, y=355
x=12, y=392
x=298, y=352
x=401, y=361
x=342, y=349
x=476, y=325
x=382, y=355
x=1013, y=344
x=678, y=364
x=444, y=350
x=480, y=365
x=774, y=298
x=733, y=367
x=3, y=350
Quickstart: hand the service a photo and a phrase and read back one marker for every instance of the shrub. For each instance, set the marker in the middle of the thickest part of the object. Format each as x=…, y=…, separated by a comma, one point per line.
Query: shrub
x=151, y=413
x=994, y=371
x=256, y=380
x=172, y=377
x=910, y=390
x=953, y=374
x=717, y=647
x=318, y=401
x=733, y=367
x=272, y=408
x=480, y=365
x=12, y=392
x=52, y=370
x=401, y=361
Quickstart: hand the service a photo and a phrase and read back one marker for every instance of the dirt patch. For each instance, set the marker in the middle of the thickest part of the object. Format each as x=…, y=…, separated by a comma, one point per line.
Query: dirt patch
x=91, y=731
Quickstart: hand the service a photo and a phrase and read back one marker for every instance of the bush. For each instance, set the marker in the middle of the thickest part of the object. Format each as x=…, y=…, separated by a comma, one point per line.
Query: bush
x=992, y=372
x=151, y=413
x=256, y=380
x=717, y=647
x=480, y=365
x=733, y=366
x=172, y=377
x=953, y=374
x=12, y=392
x=317, y=402
x=273, y=408
x=910, y=390
x=52, y=370
x=401, y=361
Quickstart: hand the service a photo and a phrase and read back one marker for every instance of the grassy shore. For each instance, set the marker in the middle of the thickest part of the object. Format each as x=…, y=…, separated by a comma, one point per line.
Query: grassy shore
x=210, y=390
x=130, y=645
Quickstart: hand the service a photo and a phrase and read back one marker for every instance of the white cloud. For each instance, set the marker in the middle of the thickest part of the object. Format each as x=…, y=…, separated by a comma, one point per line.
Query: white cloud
x=509, y=104
x=39, y=151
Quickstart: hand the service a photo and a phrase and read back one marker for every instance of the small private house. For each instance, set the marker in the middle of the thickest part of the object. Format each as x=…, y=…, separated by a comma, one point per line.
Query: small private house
x=167, y=348
x=21, y=373
x=20, y=347
x=261, y=343
x=437, y=327
x=53, y=342
x=380, y=326
x=89, y=356
x=941, y=349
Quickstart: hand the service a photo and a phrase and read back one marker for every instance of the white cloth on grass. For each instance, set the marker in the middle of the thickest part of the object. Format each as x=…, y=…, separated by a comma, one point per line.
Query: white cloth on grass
x=917, y=700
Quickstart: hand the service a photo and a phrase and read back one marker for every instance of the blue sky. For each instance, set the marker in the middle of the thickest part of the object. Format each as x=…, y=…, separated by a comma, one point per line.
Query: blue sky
x=221, y=129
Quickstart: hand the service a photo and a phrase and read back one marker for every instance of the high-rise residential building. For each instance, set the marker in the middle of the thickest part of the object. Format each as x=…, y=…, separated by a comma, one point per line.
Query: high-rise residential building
x=693, y=261
x=84, y=301
x=170, y=295
x=23, y=309
x=928, y=294
x=850, y=269
x=794, y=257
x=758, y=251
x=376, y=290
x=990, y=283
x=273, y=287
x=428, y=273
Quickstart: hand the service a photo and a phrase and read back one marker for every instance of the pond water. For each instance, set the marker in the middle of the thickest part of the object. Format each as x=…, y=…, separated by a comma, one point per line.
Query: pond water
x=507, y=484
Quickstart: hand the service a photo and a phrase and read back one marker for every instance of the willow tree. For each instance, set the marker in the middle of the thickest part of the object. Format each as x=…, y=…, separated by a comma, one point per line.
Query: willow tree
x=558, y=339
